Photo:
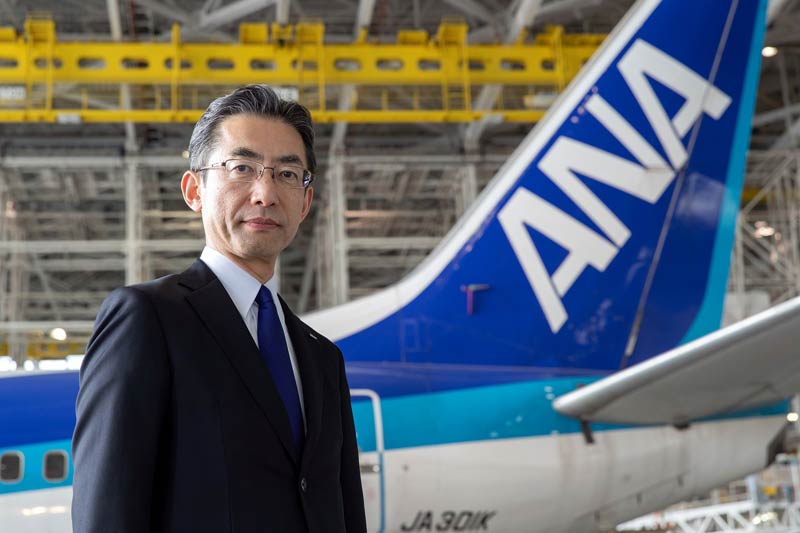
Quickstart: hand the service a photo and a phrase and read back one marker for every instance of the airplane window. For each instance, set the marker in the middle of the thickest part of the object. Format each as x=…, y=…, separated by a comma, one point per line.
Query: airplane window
x=11, y=467
x=55, y=466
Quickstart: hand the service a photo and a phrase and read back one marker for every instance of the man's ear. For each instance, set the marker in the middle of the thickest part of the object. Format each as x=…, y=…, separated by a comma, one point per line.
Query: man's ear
x=308, y=195
x=190, y=187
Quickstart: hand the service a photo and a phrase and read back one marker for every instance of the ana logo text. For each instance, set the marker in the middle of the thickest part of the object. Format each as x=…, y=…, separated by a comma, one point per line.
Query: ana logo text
x=646, y=180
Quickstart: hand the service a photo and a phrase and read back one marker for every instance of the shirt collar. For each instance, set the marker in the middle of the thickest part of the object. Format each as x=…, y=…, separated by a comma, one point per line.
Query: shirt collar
x=241, y=286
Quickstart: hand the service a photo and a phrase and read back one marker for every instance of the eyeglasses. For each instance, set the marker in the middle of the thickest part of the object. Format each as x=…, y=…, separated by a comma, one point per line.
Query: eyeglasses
x=244, y=171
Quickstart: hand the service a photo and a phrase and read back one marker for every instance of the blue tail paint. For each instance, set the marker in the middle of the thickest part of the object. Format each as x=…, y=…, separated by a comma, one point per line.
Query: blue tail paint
x=605, y=239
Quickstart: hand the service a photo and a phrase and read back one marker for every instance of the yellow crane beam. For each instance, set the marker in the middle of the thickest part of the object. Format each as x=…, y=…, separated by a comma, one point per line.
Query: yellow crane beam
x=173, y=80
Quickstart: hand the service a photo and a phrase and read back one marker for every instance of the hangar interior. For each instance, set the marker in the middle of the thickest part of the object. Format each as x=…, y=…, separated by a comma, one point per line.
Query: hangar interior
x=89, y=174
x=91, y=201
x=90, y=206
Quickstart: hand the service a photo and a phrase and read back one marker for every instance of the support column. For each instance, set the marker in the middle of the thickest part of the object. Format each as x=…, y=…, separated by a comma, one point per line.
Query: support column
x=468, y=189
x=794, y=224
x=752, y=489
x=13, y=276
x=133, y=225
x=738, y=262
x=309, y=271
x=115, y=23
x=337, y=204
x=17, y=286
x=4, y=257
x=322, y=259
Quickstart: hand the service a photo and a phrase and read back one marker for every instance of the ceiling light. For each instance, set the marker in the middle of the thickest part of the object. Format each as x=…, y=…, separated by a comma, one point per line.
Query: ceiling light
x=763, y=230
x=58, y=334
x=7, y=364
x=769, y=51
x=793, y=417
x=56, y=365
x=74, y=362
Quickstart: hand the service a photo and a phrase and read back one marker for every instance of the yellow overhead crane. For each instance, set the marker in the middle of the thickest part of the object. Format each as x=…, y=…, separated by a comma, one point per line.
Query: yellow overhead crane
x=37, y=348
x=420, y=78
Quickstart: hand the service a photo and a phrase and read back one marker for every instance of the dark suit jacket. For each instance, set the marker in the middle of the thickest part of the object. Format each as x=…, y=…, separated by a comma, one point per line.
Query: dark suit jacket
x=180, y=428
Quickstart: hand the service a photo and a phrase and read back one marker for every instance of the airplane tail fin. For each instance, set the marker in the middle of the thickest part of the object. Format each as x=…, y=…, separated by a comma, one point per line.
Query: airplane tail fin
x=605, y=239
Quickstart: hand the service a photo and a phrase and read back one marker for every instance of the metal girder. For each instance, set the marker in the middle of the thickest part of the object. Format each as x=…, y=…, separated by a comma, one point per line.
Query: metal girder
x=115, y=23
x=170, y=12
x=48, y=290
x=210, y=5
x=421, y=61
x=767, y=246
x=774, y=7
x=392, y=243
x=295, y=56
x=523, y=18
x=486, y=99
x=133, y=226
x=337, y=202
x=791, y=133
x=107, y=264
x=99, y=246
x=387, y=116
x=789, y=137
x=92, y=162
x=45, y=325
x=348, y=94
x=308, y=272
x=747, y=515
x=400, y=161
x=474, y=9
x=8, y=11
x=556, y=7
x=775, y=115
x=282, y=12
x=231, y=13
x=385, y=262
x=363, y=16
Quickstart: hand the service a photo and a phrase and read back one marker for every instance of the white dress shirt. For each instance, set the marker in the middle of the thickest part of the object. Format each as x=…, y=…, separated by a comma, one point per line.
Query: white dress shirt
x=243, y=289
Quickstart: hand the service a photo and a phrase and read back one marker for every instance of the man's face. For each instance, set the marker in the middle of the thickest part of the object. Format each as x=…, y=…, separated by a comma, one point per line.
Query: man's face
x=252, y=222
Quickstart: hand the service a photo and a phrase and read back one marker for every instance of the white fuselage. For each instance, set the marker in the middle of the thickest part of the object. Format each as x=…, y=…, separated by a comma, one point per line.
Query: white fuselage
x=555, y=483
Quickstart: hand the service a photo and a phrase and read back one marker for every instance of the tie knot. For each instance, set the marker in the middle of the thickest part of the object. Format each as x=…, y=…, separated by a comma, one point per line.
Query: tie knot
x=264, y=297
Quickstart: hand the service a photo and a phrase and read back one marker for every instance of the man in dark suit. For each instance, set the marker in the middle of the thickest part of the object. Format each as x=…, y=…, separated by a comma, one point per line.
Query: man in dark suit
x=205, y=404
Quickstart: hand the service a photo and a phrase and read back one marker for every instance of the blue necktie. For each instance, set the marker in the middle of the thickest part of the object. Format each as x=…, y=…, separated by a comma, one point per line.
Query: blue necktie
x=272, y=345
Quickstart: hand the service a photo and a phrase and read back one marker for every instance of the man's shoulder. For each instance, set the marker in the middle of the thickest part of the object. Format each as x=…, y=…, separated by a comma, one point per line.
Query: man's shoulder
x=153, y=289
x=156, y=293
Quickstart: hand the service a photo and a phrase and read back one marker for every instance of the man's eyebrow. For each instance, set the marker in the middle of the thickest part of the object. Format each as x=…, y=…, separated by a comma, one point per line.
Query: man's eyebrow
x=248, y=153
x=292, y=158
x=245, y=152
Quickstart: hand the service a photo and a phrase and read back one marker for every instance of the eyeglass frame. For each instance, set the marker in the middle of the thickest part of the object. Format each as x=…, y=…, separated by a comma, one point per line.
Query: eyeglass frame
x=308, y=176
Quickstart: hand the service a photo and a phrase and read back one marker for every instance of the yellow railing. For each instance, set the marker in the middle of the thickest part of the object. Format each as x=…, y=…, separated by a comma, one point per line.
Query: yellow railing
x=44, y=349
x=43, y=79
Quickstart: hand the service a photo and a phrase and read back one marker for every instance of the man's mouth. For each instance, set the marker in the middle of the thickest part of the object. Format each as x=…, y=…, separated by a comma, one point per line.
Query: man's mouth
x=261, y=223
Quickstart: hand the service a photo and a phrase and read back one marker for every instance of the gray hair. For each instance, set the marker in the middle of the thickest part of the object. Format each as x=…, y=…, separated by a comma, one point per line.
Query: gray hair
x=259, y=100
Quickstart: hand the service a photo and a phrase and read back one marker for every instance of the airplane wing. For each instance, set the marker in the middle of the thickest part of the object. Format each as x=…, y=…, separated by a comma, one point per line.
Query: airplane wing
x=751, y=363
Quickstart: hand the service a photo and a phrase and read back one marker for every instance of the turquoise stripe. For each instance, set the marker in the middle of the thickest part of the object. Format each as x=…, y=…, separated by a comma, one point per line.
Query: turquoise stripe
x=710, y=313
x=33, y=467
x=484, y=413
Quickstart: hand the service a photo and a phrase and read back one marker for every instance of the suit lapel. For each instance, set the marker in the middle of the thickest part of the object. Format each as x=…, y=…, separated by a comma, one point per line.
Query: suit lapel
x=216, y=310
x=310, y=375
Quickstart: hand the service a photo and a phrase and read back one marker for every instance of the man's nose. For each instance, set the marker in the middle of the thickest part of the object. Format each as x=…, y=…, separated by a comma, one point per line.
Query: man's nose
x=264, y=190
